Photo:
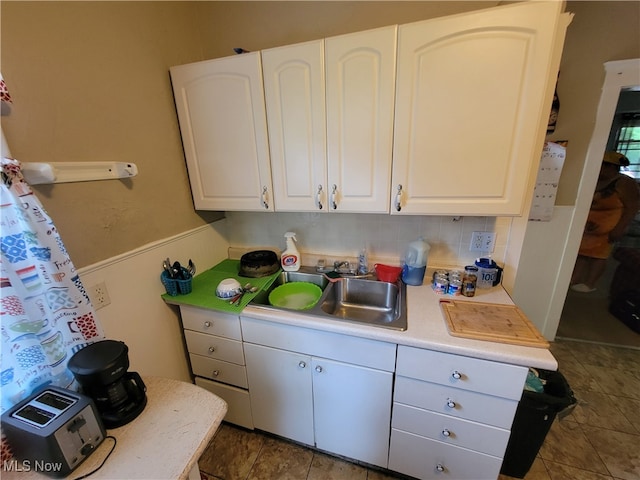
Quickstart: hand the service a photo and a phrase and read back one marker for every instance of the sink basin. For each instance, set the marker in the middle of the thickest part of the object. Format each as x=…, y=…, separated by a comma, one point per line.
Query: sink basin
x=368, y=302
x=372, y=302
x=310, y=276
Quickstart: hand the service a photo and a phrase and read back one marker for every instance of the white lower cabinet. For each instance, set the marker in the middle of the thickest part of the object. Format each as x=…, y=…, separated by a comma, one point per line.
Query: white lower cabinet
x=340, y=405
x=452, y=414
x=444, y=416
x=281, y=393
x=214, y=342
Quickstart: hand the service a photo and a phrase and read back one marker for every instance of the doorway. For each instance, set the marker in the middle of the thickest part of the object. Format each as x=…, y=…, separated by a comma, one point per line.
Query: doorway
x=586, y=316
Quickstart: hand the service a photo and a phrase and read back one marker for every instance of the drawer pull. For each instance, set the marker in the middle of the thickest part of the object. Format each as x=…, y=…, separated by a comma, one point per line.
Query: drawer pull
x=302, y=364
x=440, y=467
x=446, y=432
x=215, y=373
x=451, y=403
x=456, y=374
x=207, y=324
x=211, y=349
x=319, y=369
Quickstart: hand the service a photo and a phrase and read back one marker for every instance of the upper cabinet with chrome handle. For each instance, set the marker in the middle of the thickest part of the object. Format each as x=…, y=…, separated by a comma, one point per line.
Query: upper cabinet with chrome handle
x=407, y=119
x=330, y=113
x=469, y=133
x=224, y=132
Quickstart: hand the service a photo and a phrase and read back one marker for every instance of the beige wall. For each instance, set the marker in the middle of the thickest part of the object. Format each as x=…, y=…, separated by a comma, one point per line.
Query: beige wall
x=90, y=82
x=259, y=25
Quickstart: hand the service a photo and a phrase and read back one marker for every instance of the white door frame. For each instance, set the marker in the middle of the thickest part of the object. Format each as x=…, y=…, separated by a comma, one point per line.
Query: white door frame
x=619, y=75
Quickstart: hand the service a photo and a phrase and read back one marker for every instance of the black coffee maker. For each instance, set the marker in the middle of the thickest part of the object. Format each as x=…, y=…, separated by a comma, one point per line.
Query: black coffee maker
x=101, y=371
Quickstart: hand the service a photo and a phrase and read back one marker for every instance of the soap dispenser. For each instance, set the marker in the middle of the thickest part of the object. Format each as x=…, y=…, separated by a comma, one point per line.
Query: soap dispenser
x=290, y=259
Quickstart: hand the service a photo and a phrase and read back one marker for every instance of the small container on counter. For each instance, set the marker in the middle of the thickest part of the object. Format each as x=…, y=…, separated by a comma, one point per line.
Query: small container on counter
x=415, y=262
x=441, y=284
x=455, y=286
x=440, y=273
x=469, y=281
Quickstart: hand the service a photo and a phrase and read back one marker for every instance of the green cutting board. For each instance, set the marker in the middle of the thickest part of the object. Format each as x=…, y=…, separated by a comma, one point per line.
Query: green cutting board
x=203, y=292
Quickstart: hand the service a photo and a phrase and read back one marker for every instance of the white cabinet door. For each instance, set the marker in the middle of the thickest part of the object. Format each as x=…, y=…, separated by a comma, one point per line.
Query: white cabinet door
x=294, y=98
x=338, y=159
x=352, y=410
x=360, y=69
x=473, y=96
x=281, y=393
x=220, y=105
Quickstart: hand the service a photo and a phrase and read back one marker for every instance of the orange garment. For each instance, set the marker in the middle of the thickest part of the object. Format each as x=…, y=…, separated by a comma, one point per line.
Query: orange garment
x=604, y=215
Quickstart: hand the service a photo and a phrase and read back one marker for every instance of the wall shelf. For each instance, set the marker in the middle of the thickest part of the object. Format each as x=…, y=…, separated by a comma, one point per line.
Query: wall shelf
x=36, y=173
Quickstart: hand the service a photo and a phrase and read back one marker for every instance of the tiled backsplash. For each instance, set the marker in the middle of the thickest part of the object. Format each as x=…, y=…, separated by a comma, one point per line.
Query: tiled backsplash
x=343, y=235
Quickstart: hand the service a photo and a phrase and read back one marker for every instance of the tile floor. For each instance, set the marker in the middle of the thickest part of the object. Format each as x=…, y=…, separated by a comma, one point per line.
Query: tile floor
x=599, y=440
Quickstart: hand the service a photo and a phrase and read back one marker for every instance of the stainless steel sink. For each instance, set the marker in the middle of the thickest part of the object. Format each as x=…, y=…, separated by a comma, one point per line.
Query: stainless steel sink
x=304, y=275
x=368, y=302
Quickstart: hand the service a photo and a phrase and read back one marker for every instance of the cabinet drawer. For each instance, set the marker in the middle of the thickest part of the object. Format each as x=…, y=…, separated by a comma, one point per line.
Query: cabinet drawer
x=429, y=459
x=474, y=374
x=214, y=347
x=209, y=321
x=468, y=405
x=344, y=348
x=219, y=370
x=238, y=404
x=450, y=430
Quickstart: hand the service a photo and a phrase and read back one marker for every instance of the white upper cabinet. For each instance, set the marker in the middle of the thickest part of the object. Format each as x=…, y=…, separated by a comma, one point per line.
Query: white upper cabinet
x=444, y=116
x=473, y=96
x=338, y=159
x=360, y=69
x=220, y=105
x=294, y=98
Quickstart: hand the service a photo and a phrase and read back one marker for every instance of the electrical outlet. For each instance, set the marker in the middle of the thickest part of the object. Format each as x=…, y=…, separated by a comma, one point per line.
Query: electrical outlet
x=482, y=241
x=99, y=295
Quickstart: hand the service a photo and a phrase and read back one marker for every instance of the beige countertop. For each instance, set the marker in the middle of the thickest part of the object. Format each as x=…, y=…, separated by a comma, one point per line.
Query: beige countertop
x=164, y=442
x=426, y=328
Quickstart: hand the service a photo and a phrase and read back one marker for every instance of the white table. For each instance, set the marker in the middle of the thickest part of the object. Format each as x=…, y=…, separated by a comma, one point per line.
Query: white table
x=164, y=442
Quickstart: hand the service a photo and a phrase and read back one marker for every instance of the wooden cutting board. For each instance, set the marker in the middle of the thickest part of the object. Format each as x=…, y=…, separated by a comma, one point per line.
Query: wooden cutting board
x=491, y=322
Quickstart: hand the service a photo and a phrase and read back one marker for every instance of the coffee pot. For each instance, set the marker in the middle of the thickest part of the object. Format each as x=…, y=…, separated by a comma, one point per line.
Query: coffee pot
x=101, y=371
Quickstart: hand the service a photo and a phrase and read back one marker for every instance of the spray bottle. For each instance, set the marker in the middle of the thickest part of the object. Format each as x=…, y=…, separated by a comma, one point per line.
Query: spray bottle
x=290, y=258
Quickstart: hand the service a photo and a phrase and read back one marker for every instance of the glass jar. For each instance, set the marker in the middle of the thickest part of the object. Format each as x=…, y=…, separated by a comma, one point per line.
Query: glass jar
x=469, y=280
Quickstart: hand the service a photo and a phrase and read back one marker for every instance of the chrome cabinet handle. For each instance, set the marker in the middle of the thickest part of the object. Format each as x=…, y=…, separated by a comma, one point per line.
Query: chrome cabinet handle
x=319, y=197
x=440, y=467
x=334, y=194
x=265, y=204
x=319, y=369
x=211, y=349
x=446, y=432
x=398, y=200
x=207, y=324
x=215, y=373
x=451, y=403
x=456, y=375
x=302, y=364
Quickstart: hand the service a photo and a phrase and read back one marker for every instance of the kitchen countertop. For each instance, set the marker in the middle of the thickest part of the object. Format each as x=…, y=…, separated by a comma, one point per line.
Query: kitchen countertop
x=426, y=327
x=164, y=442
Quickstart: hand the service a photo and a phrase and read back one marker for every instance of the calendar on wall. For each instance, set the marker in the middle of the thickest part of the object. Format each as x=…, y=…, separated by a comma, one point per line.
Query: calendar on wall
x=544, y=193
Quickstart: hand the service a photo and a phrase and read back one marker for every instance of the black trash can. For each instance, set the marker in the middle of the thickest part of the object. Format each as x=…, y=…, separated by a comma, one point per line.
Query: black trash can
x=534, y=416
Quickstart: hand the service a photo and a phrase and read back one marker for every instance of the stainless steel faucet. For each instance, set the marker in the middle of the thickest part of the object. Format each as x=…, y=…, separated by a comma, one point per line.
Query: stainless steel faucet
x=337, y=265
